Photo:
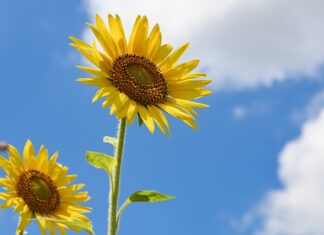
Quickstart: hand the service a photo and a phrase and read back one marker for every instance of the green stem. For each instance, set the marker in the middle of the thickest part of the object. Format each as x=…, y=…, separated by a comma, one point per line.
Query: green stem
x=114, y=192
x=21, y=232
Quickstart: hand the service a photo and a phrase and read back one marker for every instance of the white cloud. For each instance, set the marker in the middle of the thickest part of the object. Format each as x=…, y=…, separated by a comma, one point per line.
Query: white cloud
x=242, y=43
x=298, y=208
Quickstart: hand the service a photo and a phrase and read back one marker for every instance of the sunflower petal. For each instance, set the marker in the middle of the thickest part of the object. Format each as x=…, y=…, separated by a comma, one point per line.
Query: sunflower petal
x=161, y=53
x=148, y=120
x=96, y=81
x=133, y=34
x=140, y=36
x=25, y=219
x=117, y=33
x=174, y=57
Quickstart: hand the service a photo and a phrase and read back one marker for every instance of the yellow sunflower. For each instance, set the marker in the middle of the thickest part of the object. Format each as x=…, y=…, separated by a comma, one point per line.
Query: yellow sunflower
x=38, y=187
x=141, y=76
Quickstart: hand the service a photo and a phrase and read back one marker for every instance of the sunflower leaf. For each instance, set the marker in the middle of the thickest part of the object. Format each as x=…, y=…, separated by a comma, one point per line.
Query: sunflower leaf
x=144, y=196
x=110, y=140
x=78, y=225
x=101, y=160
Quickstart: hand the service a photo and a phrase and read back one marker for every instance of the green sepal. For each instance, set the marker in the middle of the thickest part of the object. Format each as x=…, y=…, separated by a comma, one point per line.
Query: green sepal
x=144, y=196
x=140, y=120
x=102, y=161
x=110, y=140
x=77, y=225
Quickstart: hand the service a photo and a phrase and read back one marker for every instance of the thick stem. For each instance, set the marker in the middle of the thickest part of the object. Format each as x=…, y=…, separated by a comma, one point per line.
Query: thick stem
x=114, y=192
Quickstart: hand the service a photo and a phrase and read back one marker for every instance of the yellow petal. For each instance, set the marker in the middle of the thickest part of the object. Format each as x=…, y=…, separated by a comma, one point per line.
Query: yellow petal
x=163, y=118
x=188, y=94
x=174, y=111
x=156, y=118
x=42, y=160
x=188, y=84
x=105, y=41
x=96, y=72
x=147, y=119
x=8, y=203
x=72, y=188
x=187, y=103
x=102, y=92
x=41, y=223
x=118, y=103
x=4, y=163
x=110, y=99
x=8, y=183
x=61, y=229
x=14, y=156
x=140, y=36
x=130, y=45
x=70, y=178
x=161, y=53
x=194, y=75
x=80, y=42
x=25, y=219
x=29, y=154
x=131, y=112
x=123, y=109
x=180, y=70
x=97, y=81
x=191, y=123
x=51, y=164
x=87, y=53
x=105, y=66
x=50, y=226
x=174, y=57
x=117, y=33
x=153, y=42
x=19, y=205
x=5, y=196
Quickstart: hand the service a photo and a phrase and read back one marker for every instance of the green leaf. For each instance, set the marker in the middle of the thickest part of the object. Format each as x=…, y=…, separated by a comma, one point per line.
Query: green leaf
x=144, y=196
x=140, y=120
x=101, y=160
x=148, y=196
x=111, y=140
x=78, y=225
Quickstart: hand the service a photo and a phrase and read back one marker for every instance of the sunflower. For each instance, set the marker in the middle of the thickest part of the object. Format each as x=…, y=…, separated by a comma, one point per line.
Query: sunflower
x=141, y=77
x=38, y=187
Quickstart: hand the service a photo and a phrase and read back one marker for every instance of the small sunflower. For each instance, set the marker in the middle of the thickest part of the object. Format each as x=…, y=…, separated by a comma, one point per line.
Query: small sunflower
x=38, y=187
x=141, y=76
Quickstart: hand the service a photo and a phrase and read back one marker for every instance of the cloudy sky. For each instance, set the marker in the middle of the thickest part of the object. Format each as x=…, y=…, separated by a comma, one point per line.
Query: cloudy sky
x=255, y=167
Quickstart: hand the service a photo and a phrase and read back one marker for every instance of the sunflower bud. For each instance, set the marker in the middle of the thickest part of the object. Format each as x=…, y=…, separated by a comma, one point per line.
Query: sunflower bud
x=4, y=146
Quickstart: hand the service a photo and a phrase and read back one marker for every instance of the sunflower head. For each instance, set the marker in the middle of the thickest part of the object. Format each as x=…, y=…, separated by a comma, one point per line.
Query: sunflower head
x=38, y=187
x=141, y=76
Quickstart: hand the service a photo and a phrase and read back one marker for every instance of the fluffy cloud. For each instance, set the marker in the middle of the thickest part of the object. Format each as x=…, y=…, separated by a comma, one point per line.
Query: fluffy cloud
x=298, y=208
x=242, y=43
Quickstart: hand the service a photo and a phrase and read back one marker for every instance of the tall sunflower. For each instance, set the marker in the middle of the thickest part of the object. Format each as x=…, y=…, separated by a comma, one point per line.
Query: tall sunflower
x=39, y=187
x=141, y=76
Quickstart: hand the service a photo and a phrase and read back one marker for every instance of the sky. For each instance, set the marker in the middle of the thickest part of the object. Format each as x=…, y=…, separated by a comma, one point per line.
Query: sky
x=255, y=165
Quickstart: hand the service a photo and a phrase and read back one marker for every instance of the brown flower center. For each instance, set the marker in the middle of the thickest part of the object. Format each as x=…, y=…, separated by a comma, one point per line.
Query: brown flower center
x=140, y=79
x=38, y=191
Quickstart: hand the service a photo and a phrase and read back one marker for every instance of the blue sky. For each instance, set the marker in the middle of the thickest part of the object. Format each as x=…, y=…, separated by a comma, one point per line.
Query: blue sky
x=220, y=175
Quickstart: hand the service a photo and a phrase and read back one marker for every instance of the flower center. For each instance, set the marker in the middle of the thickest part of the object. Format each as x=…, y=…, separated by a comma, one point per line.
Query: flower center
x=140, y=79
x=38, y=191
x=40, y=188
